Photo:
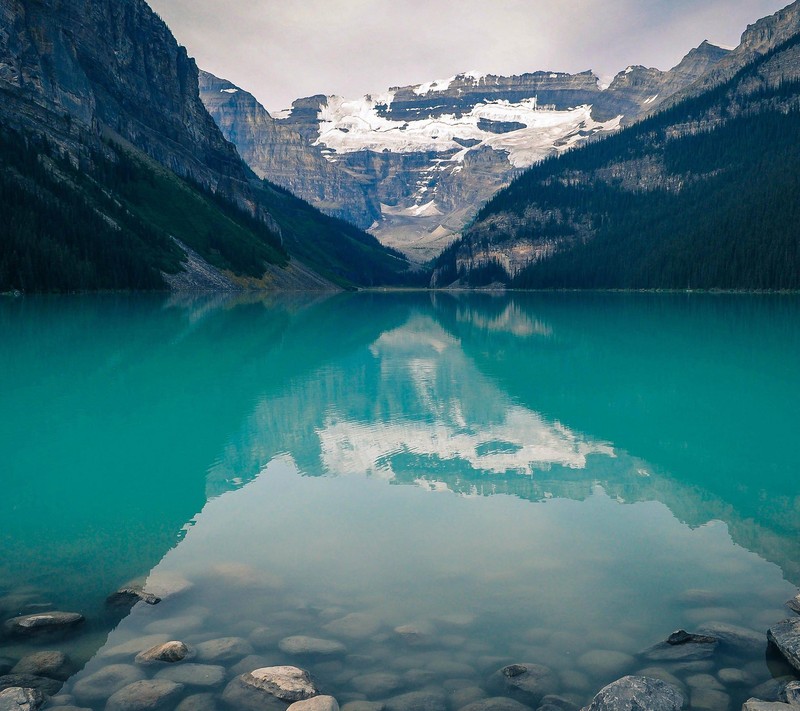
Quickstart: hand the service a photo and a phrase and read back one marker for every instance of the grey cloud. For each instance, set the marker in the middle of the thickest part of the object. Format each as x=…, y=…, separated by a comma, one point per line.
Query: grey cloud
x=284, y=49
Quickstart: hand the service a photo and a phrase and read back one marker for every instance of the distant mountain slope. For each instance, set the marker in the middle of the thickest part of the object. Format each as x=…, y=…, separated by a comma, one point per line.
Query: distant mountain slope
x=411, y=163
x=102, y=120
x=700, y=195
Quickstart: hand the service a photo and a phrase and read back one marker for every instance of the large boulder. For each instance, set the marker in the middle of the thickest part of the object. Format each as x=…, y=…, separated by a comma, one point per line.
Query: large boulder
x=527, y=683
x=786, y=637
x=146, y=695
x=794, y=604
x=269, y=689
x=42, y=623
x=759, y=705
x=636, y=693
x=19, y=699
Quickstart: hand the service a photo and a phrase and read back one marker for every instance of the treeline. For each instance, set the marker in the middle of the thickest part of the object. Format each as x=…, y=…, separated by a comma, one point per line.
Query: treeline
x=54, y=238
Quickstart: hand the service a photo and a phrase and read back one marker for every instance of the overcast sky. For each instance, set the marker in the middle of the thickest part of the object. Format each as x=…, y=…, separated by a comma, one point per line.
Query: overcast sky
x=281, y=50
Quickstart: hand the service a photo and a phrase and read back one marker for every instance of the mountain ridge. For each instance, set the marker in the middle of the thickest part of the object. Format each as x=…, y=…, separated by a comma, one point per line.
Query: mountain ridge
x=103, y=87
x=409, y=164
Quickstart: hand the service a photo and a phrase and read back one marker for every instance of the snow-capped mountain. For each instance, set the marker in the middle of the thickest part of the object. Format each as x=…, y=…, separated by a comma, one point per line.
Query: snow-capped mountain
x=413, y=163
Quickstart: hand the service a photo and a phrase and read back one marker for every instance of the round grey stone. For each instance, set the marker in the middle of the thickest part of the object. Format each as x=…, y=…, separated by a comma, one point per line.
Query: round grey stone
x=105, y=682
x=285, y=682
x=16, y=698
x=52, y=664
x=317, y=703
x=198, y=702
x=417, y=701
x=43, y=622
x=301, y=645
x=735, y=677
x=364, y=706
x=224, y=649
x=705, y=699
x=168, y=653
x=133, y=646
x=146, y=695
x=357, y=625
x=633, y=693
x=377, y=684
x=194, y=674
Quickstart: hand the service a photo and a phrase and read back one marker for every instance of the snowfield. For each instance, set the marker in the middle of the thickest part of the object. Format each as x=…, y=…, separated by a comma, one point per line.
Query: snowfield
x=348, y=126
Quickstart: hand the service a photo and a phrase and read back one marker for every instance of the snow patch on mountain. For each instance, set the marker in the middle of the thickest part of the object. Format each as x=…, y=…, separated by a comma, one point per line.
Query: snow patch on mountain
x=348, y=126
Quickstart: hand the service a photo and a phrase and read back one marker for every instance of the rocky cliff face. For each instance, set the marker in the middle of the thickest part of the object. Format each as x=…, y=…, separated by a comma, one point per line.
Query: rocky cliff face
x=85, y=73
x=278, y=152
x=757, y=40
x=414, y=163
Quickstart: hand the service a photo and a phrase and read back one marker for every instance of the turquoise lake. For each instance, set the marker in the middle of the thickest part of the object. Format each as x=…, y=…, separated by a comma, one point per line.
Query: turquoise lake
x=440, y=484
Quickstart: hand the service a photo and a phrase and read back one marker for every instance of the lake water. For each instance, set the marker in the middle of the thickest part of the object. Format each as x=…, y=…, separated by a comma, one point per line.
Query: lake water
x=442, y=484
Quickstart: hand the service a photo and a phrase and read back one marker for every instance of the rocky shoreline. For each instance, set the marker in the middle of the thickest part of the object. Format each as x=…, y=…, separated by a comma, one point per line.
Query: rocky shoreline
x=694, y=670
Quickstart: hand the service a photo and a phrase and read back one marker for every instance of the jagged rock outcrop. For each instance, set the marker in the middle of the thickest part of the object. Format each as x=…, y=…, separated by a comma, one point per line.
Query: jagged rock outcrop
x=413, y=163
x=274, y=150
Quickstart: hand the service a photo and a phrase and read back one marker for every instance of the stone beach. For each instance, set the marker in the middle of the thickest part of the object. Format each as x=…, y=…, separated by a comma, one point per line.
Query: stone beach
x=362, y=664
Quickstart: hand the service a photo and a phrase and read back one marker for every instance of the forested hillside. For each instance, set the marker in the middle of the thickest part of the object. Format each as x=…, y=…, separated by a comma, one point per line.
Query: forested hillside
x=702, y=195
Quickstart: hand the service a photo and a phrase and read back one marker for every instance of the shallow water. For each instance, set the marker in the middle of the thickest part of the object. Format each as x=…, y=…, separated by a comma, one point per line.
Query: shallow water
x=444, y=485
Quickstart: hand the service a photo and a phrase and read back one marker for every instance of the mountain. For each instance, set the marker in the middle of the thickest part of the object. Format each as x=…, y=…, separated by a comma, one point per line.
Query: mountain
x=701, y=194
x=411, y=163
x=114, y=175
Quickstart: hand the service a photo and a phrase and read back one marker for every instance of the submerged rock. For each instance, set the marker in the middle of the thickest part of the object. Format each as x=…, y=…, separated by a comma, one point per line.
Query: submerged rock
x=128, y=596
x=317, y=703
x=356, y=625
x=49, y=687
x=742, y=639
x=681, y=646
x=496, y=703
x=133, y=646
x=636, y=693
x=166, y=585
x=198, y=702
x=169, y=653
x=146, y=695
x=16, y=698
x=52, y=664
x=528, y=683
x=105, y=682
x=224, y=649
x=684, y=637
x=43, y=622
x=311, y=646
x=759, y=705
x=377, y=684
x=786, y=637
x=207, y=675
x=429, y=700
x=285, y=682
